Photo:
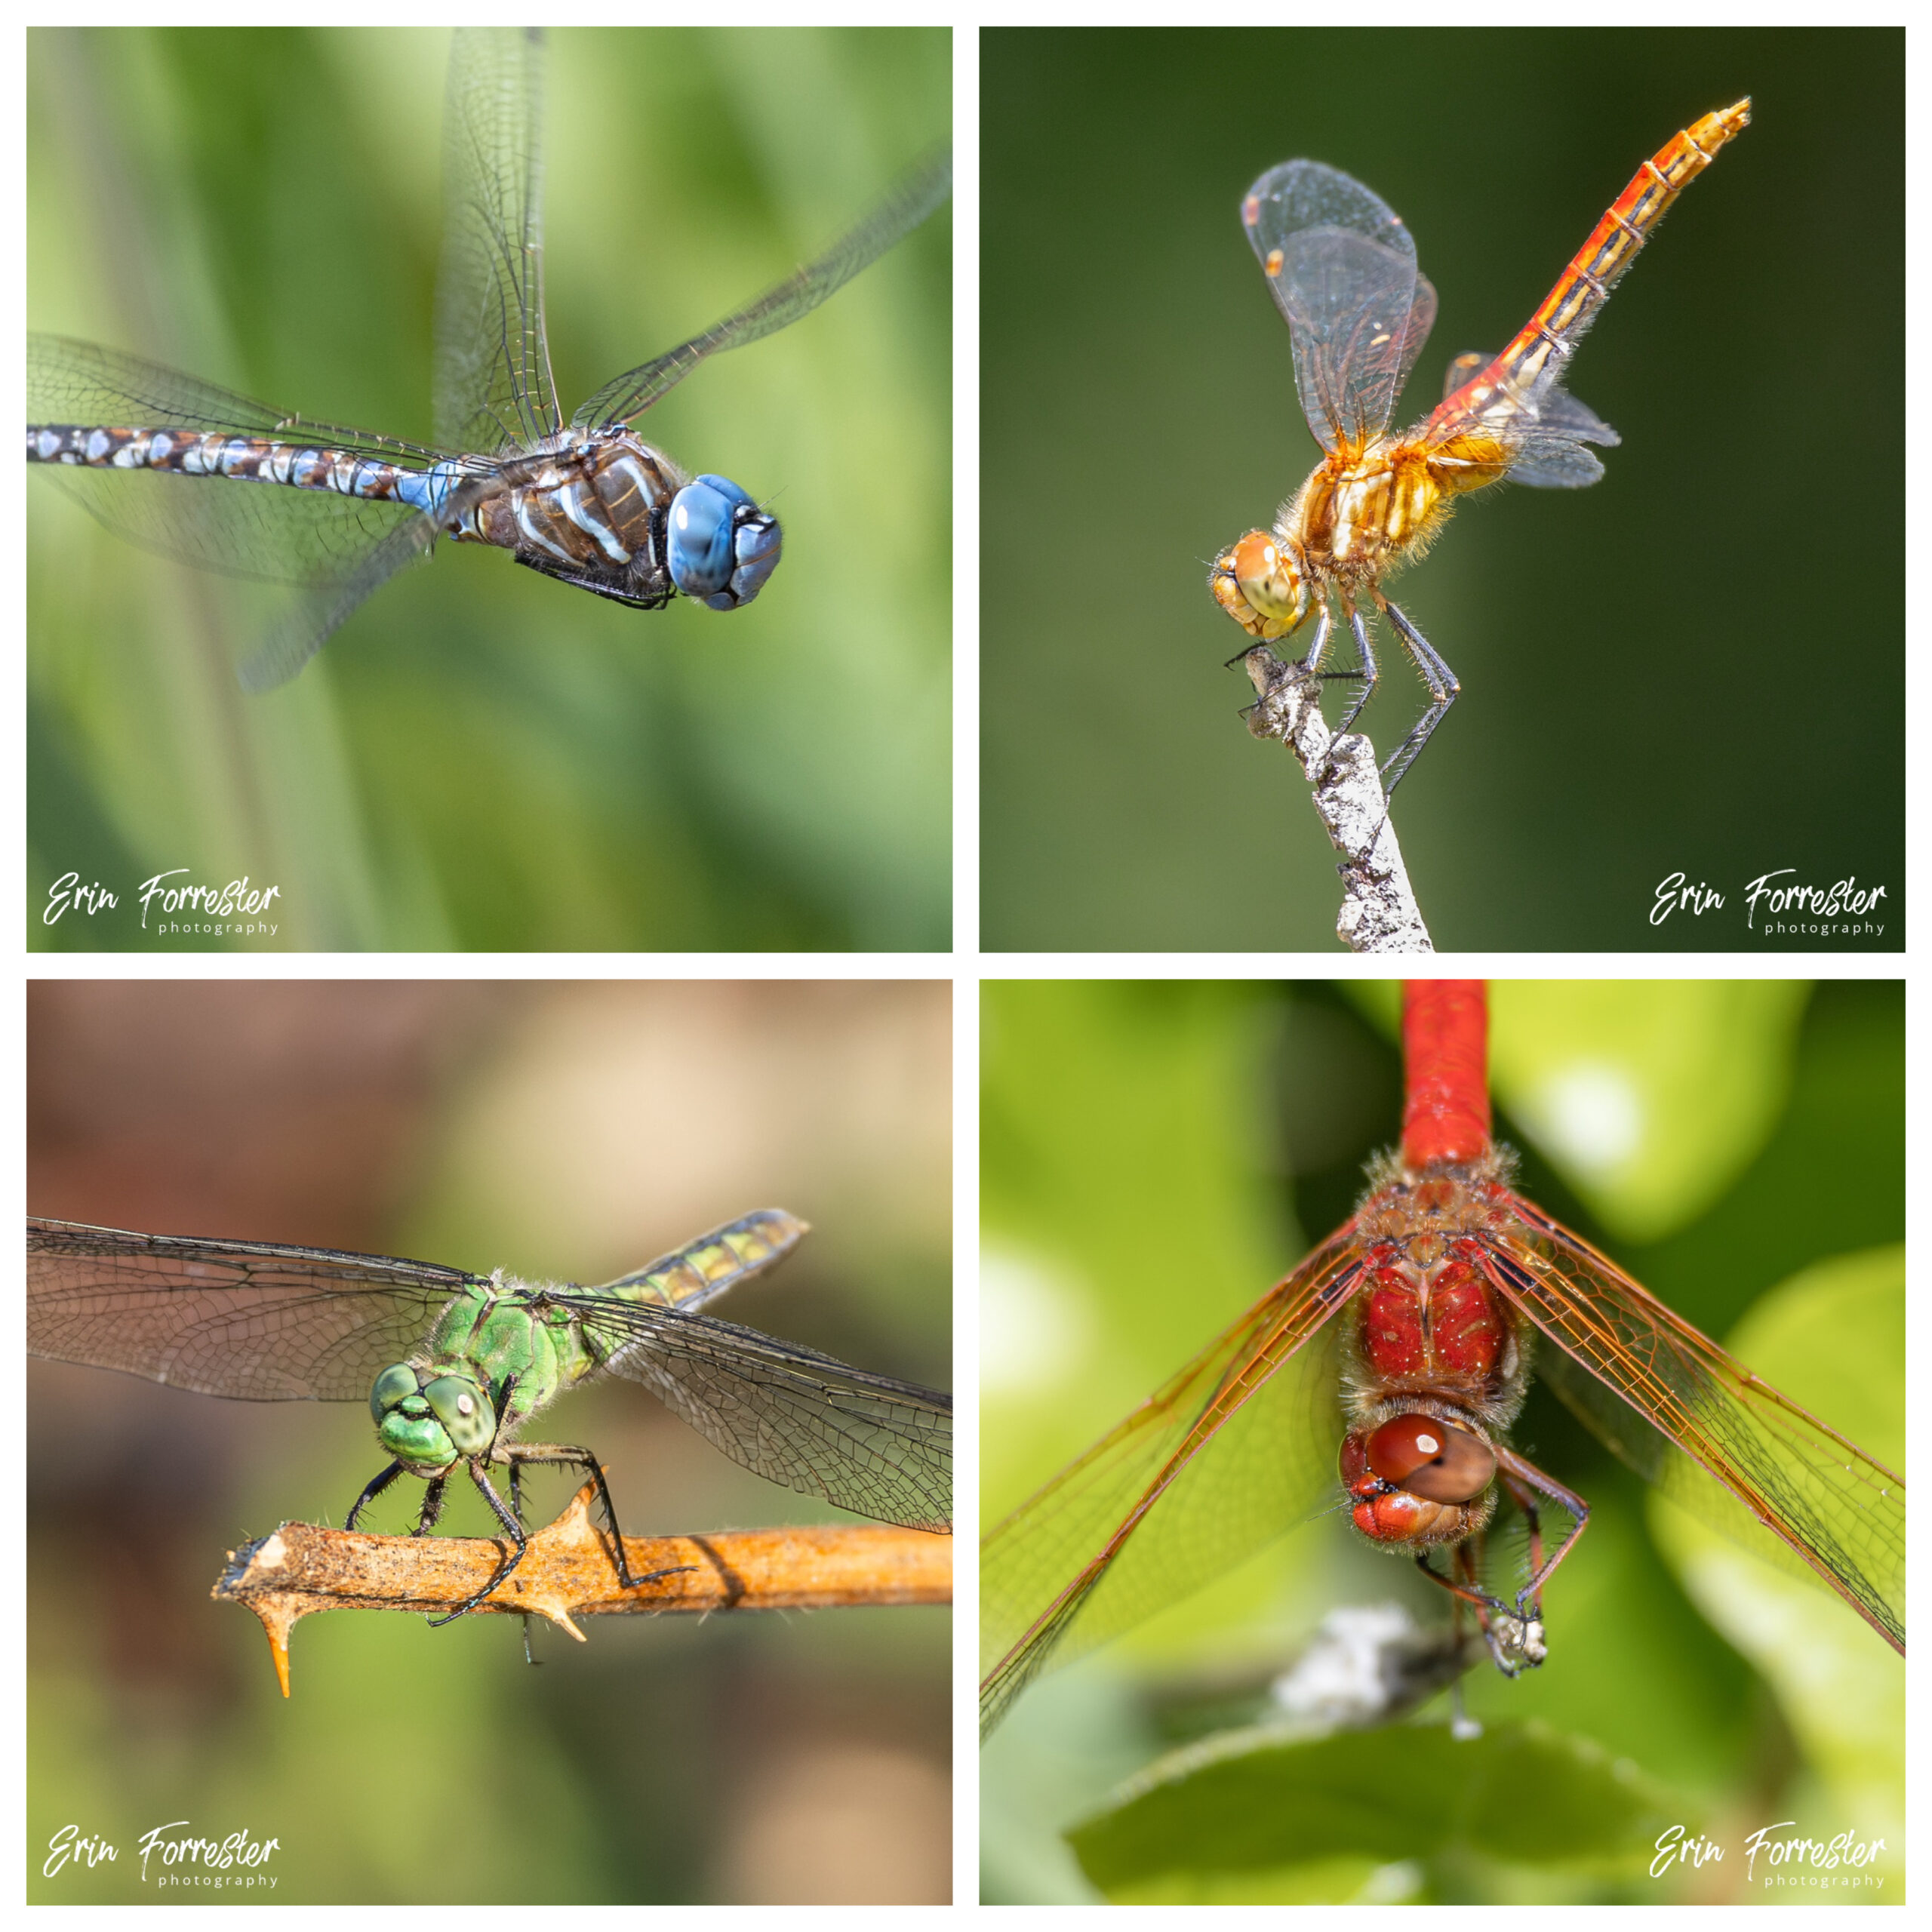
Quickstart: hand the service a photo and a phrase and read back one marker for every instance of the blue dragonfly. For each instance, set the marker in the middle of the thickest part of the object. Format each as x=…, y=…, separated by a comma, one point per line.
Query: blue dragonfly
x=587, y=500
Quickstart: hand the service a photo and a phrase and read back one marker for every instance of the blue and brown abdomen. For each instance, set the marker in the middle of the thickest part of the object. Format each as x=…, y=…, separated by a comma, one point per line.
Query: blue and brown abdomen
x=240, y=459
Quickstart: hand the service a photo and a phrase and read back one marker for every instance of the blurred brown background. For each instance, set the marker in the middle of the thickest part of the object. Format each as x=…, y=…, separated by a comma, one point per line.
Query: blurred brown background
x=569, y=1130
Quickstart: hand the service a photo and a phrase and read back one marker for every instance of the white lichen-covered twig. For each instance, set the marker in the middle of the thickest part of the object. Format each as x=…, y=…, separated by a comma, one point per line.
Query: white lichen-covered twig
x=1379, y=911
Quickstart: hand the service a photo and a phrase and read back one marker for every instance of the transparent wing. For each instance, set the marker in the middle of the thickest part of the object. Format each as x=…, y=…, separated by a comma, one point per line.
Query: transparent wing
x=336, y=549
x=250, y=1319
x=915, y=196
x=1145, y=1517
x=1546, y=426
x=803, y=1420
x=492, y=386
x=1341, y=269
x=264, y=531
x=1686, y=1416
x=690, y=1275
x=296, y=638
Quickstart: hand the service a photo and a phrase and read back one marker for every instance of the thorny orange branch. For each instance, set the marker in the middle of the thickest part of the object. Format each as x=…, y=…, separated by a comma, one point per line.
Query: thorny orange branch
x=567, y=1572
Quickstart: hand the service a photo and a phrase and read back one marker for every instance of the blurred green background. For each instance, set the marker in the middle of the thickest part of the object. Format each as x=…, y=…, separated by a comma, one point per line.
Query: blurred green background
x=561, y=1131
x=1695, y=666
x=1155, y=1155
x=481, y=758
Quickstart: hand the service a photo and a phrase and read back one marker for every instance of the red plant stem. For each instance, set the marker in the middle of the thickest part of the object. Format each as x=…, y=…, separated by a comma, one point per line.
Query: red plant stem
x=1445, y=1060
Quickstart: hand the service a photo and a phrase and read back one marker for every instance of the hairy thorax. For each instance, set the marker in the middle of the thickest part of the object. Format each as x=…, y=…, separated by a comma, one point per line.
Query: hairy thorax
x=1364, y=512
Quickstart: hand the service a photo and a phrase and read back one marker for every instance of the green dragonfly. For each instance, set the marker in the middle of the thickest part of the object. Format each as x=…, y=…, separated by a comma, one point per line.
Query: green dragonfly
x=454, y=1364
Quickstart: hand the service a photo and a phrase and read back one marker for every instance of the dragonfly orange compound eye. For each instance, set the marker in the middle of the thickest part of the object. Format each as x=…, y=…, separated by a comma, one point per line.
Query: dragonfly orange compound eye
x=1269, y=577
x=1429, y=1458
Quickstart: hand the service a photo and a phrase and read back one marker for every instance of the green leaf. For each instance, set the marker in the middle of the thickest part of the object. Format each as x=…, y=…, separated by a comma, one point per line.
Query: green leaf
x=1251, y=1814
x=1815, y=1337
x=1652, y=1096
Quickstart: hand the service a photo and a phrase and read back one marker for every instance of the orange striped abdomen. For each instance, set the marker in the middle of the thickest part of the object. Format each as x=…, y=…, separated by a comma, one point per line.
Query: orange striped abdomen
x=1583, y=287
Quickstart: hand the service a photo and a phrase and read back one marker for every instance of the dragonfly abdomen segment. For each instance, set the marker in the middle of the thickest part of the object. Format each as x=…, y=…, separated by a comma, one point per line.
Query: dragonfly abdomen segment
x=1536, y=358
x=241, y=459
x=694, y=1274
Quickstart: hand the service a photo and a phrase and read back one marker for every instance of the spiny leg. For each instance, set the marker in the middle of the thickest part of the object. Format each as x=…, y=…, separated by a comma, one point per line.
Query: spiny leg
x=519, y=1541
x=516, y=1510
x=1369, y=672
x=375, y=1487
x=432, y=1506
x=1511, y=1659
x=1524, y=1482
x=1310, y=661
x=1324, y=624
x=582, y=1458
x=1470, y=1591
x=1443, y=691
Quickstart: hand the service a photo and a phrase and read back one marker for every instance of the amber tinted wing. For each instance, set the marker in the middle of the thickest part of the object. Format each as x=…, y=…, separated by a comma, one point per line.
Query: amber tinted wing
x=1144, y=1517
x=1341, y=269
x=1691, y=1418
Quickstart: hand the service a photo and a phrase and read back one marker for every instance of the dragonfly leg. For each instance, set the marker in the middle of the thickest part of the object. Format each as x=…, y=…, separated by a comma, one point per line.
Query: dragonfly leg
x=519, y=1541
x=582, y=1458
x=1368, y=673
x=1443, y=690
x=432, y=1506
x=375, y=1487
x=1520, y=1646
x=1524, y=1482
x=1310, y=660
x=1318, y=649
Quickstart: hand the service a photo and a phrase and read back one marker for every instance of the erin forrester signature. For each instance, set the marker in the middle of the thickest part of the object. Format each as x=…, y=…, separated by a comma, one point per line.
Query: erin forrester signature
x=1845, y=899
x=236, y=900
x=67, y=1846
x=1845, y=1854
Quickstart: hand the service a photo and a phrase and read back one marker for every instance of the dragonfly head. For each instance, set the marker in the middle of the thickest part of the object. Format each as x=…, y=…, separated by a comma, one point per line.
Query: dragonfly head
x=1269, y=574
x=721, y=546
x=427, y=1419
x=1417, y=1480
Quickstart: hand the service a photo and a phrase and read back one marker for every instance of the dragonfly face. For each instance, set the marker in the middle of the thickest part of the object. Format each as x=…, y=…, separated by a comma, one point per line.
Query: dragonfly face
x=1271, y=583
x=427, y=1419
x=722, y=546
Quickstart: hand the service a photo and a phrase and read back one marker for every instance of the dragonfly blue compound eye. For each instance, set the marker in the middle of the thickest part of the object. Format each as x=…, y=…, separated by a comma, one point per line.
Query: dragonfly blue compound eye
x=722, y=546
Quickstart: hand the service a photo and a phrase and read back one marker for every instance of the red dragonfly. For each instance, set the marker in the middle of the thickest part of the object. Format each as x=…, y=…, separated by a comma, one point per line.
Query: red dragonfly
x=1342, y=269
x=1442, y=1280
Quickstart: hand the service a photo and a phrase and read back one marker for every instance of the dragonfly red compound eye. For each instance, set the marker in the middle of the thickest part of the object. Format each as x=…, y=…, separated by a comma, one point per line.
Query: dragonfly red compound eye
x=1429, y=1458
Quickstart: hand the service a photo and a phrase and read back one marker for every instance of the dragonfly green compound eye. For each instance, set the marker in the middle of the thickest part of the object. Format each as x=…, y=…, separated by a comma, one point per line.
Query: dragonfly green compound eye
x=394, y=1385
x=460, y=1408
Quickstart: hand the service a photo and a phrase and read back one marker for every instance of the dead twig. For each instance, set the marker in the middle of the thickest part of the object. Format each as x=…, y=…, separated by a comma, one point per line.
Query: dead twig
x=568, y=1571
x=1379, y=911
